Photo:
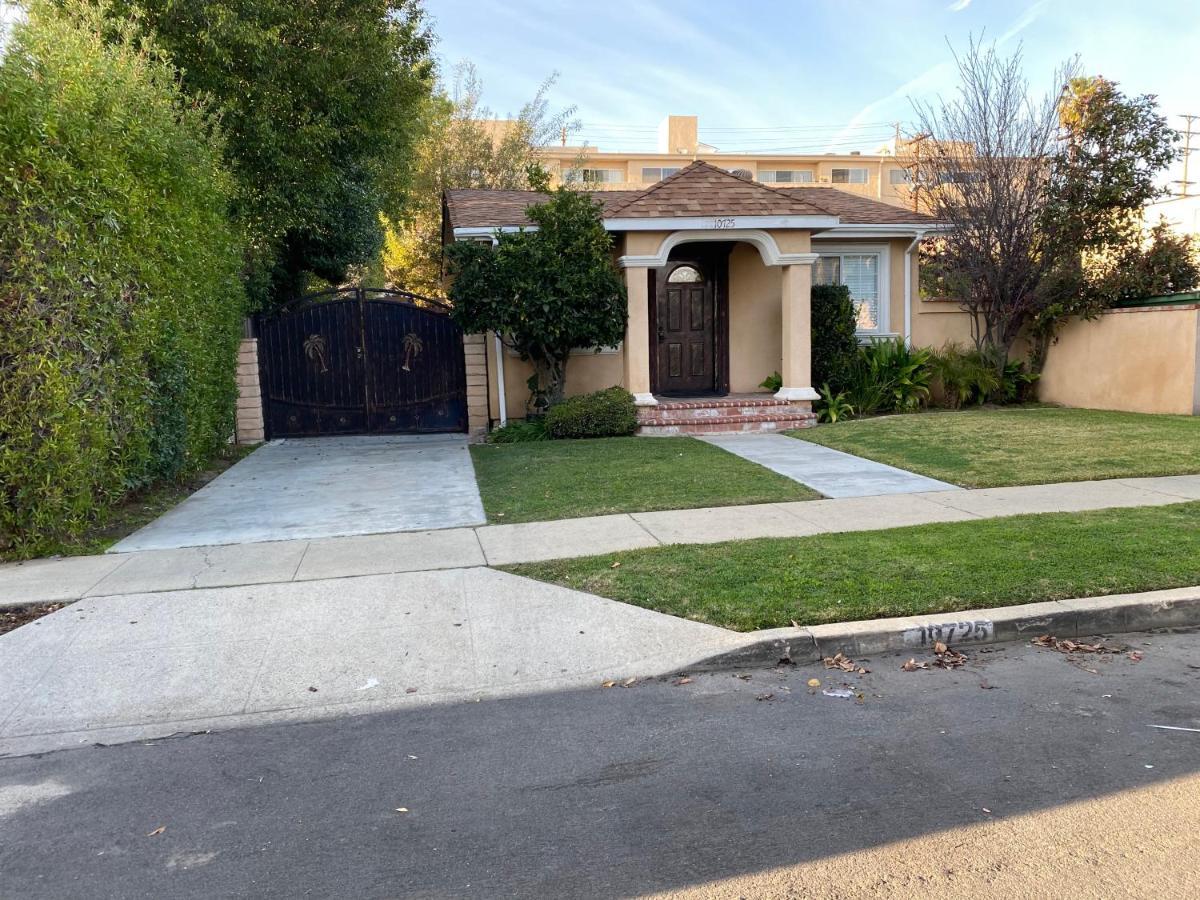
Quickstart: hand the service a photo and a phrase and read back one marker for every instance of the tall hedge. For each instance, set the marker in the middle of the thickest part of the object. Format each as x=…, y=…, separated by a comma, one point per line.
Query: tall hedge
x=120, y=297
x=834, y=337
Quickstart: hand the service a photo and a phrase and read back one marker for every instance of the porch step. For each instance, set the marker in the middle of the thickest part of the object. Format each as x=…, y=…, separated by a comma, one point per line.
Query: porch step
x=726, y=424
x=710, y=410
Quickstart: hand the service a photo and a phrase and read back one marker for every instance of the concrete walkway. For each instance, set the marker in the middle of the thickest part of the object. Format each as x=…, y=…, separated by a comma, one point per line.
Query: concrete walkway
x=309, y=560
x=127, y=667
x=325, y=487
x=832, y=472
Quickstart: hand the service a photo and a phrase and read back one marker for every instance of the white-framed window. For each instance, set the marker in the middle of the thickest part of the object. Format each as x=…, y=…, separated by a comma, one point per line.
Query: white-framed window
x=864, y=270
x=595, y=176
x=899, y=176
x=658, y=173
x=785, y=176
x=848, y=176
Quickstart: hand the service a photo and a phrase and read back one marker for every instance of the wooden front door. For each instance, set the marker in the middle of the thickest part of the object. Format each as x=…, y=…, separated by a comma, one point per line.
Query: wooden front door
x=686, y=323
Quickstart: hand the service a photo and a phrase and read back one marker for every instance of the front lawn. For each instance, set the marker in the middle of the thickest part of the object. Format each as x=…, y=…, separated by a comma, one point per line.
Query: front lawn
x=565, y=479
x=768, y=583
x=1038, y=445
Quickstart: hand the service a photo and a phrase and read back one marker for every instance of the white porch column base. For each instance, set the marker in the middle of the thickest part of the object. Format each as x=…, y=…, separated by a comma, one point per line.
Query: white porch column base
x=796, y=393
x=644, y=400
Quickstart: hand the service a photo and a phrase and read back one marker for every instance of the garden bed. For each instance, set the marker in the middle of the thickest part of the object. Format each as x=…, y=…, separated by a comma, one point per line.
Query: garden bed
x=542, y=480
x=775, y=582
x=13, y=617
x=1029, y=445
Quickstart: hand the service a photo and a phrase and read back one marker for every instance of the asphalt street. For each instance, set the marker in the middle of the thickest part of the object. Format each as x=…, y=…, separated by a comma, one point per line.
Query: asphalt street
x=1026, y=772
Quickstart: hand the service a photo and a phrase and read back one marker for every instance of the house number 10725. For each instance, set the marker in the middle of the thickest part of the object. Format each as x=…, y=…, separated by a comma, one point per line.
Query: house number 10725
x=727, y=222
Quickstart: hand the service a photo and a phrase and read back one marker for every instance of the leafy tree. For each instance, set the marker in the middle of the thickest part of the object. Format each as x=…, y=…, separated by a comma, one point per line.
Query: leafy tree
x=1165, y=262
x=546, y=291
x=1036, y=190
x=319, y=103
x=462, y=145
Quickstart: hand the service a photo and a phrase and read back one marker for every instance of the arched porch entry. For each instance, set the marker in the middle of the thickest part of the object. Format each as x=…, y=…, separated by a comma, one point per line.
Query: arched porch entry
x=677, y=340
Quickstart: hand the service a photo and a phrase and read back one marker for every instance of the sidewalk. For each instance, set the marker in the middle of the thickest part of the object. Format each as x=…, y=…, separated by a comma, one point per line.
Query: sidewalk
x=492, y=545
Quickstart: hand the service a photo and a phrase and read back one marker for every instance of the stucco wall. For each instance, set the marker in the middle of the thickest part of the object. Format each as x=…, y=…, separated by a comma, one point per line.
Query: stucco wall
x=1140, y=360
x=755, y=319
x=586, y=372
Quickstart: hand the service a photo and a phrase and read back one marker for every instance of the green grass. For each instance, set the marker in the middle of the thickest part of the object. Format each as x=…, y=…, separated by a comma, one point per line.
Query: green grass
x=768, y=583
x=136, y=510
x=565, y=479
x=998, y=447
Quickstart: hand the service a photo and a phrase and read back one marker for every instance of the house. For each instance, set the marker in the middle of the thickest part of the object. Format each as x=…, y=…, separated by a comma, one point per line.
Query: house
x=718, y=270
x=885, y=175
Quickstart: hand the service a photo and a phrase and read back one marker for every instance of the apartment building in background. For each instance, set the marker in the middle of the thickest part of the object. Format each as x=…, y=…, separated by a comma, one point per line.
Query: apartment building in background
x=880, y=175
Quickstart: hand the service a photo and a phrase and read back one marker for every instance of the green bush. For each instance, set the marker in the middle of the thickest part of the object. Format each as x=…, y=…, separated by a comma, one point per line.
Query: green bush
x=607, y=413
x=889, y=376
x=520, y=431
x=965, y=377
x=120, y=298
x=834, y=336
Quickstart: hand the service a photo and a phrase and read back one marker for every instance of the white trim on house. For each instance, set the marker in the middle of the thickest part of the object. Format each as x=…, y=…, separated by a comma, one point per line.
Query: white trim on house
x=883, y=273
x=763, y=240
x=702, y=223
x=876, y=231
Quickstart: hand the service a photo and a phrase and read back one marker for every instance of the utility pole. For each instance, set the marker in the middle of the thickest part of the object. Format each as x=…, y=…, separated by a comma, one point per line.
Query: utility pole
x=1188, y=134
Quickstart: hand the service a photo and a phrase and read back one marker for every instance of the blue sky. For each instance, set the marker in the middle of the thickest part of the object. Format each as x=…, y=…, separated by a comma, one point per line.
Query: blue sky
x=836, y=72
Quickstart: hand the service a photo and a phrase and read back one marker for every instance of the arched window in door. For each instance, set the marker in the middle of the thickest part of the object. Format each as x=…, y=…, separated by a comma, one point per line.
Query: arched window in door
x=686, y=275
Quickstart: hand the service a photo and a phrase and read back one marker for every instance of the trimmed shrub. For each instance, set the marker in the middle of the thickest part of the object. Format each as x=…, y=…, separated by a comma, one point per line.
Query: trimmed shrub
x=120, y=297
x=834, y=336
x=889, y=376
x=607, y=413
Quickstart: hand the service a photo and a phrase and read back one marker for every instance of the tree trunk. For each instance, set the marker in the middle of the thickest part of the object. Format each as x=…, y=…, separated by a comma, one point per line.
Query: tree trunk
x=547, y=385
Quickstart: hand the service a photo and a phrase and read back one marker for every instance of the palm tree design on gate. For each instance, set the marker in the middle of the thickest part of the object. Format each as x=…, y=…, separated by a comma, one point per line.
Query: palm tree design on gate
x=314, y=348
x=412, y=349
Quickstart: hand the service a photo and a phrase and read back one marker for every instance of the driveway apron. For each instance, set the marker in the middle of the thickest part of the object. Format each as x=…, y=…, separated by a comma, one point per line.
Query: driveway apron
x=325, y=487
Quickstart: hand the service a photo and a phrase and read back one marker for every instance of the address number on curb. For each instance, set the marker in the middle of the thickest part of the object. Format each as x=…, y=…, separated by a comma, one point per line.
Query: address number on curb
x=949, y=633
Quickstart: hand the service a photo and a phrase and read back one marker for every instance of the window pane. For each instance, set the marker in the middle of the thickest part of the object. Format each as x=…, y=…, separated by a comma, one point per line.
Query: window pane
x=828, y=270
x=766, y=175
x=900, y=176
x=840, y=176
x=668, y=171
x=861, y=275
x=803, y=176
x=649, y=174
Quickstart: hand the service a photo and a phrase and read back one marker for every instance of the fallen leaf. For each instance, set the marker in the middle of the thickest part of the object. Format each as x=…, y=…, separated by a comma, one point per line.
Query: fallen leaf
x=616, y=565
x=608, y=684
x=401, y=809
x=680, y=682
x=159, y=830
x=843, y=662
x=410, y=690
x=744, y=676
x=629, y=682
x=313, y=689
x=814, y=682
x=765, y=697
x=986, y=810
x=939, y=648
x=912, y=665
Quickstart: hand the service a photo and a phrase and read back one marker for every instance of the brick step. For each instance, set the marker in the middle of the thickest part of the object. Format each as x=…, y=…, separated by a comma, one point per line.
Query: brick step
x=708, y=413
x=720, y=402
x=726, y=424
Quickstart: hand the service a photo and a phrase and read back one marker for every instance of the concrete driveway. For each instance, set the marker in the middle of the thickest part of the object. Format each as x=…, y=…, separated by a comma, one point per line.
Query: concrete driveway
x=325, y=487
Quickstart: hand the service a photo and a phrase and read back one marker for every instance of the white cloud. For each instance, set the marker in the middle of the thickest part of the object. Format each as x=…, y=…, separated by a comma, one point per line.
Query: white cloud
x=958, y=5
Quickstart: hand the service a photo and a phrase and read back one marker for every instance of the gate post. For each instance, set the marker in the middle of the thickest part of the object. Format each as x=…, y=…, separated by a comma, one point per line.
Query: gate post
x=249, y=402
x=475, y=355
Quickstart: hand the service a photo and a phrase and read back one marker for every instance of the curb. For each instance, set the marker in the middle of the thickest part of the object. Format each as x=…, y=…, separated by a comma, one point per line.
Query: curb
x=1113, y=614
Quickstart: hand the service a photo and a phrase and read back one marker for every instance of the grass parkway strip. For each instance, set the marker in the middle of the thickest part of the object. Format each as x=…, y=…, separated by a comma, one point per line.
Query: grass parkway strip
x=1002, y=447
x=568, y=479
x=768, y=583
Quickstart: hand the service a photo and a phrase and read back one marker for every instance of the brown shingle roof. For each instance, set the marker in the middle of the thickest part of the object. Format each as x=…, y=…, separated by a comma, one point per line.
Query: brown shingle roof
x=706, y=191
x=853, y=209
x=701, y=189
x=484, y=208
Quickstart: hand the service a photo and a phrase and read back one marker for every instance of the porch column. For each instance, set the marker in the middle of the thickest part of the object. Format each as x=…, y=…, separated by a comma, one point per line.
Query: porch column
x=797, y=334
x=637, y=336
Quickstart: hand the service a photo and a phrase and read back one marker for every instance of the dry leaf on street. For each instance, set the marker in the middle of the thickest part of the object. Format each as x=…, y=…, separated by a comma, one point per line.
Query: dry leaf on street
x=159, y=830
x=845, y=664
x=912, y=665
x=628, y=682
x=814, y=682
x=679, y=682
x=608, y=684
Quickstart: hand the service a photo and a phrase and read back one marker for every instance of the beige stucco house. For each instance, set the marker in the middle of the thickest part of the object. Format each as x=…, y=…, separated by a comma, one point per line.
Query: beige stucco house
x=718, y=270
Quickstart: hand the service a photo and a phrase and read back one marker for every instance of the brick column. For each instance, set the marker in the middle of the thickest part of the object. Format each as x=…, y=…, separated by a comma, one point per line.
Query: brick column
x=475, y=353
x=249, y=401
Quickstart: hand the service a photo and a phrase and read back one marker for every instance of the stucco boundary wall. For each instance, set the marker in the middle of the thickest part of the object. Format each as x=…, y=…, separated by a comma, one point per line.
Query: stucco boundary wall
x=1143, y=358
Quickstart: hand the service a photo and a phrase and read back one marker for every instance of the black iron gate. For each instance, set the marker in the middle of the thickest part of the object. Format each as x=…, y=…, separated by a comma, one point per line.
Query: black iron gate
x=361, y=361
